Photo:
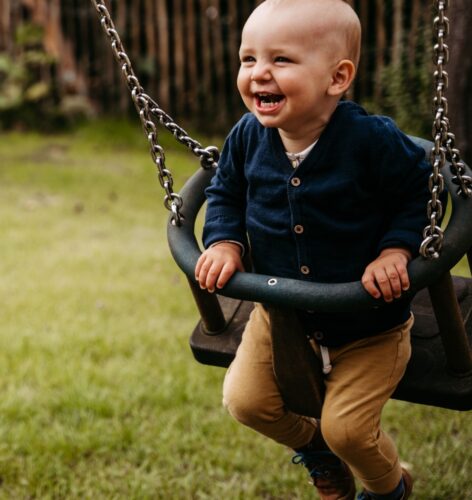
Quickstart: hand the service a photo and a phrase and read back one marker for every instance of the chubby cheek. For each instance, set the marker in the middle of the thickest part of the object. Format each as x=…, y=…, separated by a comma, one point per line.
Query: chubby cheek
x=244, y=82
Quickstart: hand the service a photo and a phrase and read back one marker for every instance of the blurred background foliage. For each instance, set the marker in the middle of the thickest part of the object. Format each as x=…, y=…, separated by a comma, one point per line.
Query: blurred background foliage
x=25, y=93
x=56, y=66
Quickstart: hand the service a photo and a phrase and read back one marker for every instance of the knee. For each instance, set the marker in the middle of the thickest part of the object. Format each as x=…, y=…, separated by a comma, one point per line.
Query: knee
x=345, y=436
x=250, y=409
x=244, y=411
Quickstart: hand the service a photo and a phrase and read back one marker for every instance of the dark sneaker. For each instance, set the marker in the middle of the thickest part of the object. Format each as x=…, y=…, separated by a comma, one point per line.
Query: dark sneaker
x=407, y=485
x=330, y=475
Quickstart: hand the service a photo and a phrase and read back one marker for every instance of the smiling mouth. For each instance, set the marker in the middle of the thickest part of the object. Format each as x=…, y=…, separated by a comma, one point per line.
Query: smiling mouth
x=268, y=101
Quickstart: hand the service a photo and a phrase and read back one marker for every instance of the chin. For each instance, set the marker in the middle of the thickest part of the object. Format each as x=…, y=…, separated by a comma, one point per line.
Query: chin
x=267, y=121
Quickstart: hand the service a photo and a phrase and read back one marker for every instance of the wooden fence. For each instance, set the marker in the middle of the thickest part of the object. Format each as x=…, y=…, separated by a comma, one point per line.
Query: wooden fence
x=185, y=52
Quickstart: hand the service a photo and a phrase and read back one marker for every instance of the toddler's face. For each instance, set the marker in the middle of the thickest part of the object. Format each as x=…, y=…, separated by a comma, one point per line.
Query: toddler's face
x=285, y=71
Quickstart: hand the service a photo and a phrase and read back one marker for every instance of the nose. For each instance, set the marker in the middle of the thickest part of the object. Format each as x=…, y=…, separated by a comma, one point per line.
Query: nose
x=260, y=71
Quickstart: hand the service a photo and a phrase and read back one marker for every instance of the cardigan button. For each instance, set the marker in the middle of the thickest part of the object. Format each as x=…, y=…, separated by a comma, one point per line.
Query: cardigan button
x=318, y=335
x=295, y=181
x=299, y=229
x=305, y=270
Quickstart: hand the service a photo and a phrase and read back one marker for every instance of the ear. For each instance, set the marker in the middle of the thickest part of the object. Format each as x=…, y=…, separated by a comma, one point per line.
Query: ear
x=342, y=77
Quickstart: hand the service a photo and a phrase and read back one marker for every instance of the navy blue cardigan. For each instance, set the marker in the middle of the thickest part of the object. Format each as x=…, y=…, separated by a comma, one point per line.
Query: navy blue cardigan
x=362, y=188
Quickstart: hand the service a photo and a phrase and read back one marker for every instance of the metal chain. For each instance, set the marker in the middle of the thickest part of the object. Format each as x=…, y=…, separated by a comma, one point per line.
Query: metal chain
x=444, y=148
x=147, y=109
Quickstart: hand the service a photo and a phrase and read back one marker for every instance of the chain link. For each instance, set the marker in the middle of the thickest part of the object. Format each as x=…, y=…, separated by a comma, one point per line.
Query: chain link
x=149, y=111
x=444, y=148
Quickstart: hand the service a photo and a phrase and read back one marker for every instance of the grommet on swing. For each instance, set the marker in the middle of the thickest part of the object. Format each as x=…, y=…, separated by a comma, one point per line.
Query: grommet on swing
x=440, y=370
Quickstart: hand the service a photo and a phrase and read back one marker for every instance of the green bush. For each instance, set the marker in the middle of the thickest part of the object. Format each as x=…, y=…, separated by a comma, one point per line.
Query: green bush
x=407, y=90
x=28, y=90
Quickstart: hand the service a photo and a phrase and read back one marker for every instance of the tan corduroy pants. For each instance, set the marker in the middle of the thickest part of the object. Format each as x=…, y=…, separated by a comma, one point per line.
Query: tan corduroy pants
x=363, y=377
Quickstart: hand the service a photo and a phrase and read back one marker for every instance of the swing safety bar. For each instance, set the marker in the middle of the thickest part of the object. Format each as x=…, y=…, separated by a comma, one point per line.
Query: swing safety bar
x=319, y=297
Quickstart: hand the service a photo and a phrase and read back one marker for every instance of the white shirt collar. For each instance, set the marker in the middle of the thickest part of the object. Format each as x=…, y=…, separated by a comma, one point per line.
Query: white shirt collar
x=297, y=158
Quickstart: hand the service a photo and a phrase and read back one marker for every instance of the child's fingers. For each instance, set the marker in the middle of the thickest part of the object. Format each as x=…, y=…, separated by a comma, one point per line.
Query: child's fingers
x=214, y=268
x=203, y=271
x=199, y=265
x=394, y=280
x=387, y=283
x=404, y=278
x=387, y=276
x=226, y=272
x=383, y=283
x=212, y=275
x=369, y=284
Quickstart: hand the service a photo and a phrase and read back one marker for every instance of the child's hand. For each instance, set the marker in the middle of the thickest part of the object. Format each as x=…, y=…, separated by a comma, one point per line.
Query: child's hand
x=387, y=276
x=217, y=264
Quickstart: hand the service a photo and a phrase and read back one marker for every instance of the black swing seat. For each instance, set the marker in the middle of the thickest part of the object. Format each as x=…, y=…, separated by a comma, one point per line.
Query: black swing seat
x=431, y=376
x=427, y=379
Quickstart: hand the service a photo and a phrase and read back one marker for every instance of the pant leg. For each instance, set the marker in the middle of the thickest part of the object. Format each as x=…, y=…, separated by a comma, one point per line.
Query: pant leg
x=364, y=375
x=250, y=391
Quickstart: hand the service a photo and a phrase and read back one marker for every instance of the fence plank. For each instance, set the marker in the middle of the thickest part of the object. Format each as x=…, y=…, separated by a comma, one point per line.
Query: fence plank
x=163, y=51
x=135, y=28
x=220, y=111
x=397, y=37
x=413, y=36
x=206, y=94
x=178, y=54
x=362, y=78
x=233, y=56
x=151, y=42
x=381, y=41
x=5, y=26
x=191, y=57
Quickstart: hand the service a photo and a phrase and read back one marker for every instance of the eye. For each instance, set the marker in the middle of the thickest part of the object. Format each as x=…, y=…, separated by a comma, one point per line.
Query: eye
x=281, y=59
x=247, y=59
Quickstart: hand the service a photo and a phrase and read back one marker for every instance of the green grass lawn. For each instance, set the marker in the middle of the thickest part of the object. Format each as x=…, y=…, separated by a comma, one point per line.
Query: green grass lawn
x=99, y=394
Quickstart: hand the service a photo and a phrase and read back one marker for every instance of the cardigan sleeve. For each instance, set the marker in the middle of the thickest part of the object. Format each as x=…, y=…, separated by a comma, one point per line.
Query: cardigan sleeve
x=403, y=185
x=226, y=195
